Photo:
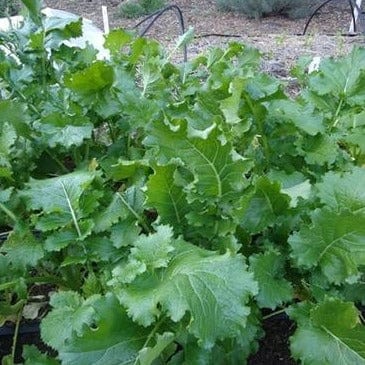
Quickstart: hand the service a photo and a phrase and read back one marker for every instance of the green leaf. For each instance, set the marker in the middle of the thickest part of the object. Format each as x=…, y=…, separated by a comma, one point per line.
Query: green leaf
x=59, y=240
x=230, y=106
x=169, y=199
x=64, y=130
x=15, y=114
x=58, y=194
x=155, y=249
x=268, y=269
x=148, y=253
x=92, y=79
x=213, y=288
x=264, y=205
x=107, y=336
x=329, y=334
x=318, y=150
x=333, y=242
x=70, y=316
x=125, y=233
x=343, y=191
x=303, y=117
x=339, y=77
x=111, y=215
x=124, y=169
x=295, y=185
x=23, y=249
x=116, y=39
x=34, y=7
x=33, y=356
x=149, y=354
x=218, y=170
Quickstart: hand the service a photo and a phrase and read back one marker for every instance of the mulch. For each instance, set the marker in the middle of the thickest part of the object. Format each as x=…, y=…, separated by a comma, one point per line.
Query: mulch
x=277, y=37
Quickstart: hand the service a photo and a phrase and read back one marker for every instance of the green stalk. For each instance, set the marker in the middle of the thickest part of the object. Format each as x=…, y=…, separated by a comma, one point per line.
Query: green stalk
x=8, y=212
x=58, y=162
x=274, y=314
x=16, y=333
x=150, y=336
x=338, y=110
x=135, y=214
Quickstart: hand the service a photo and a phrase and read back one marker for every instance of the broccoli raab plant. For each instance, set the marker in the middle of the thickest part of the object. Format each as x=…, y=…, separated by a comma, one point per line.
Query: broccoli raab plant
x=166, y=205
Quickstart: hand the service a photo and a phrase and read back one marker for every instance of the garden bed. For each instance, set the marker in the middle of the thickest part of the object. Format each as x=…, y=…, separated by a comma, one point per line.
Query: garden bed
x=181, y=210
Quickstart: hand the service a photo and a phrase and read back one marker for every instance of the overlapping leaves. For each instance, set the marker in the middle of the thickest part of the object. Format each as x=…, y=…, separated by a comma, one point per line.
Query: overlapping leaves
x=213, y=289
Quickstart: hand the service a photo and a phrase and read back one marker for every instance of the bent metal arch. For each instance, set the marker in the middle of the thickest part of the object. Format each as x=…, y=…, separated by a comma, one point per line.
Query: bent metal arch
x=355, y=7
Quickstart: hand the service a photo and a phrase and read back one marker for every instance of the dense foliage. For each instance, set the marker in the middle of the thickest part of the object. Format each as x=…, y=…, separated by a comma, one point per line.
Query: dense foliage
x=259, y=8
x=166, y=205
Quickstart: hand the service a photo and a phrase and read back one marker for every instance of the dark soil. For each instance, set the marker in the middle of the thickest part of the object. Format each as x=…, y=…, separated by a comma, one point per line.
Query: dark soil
x=273, y=350
x=274, y=347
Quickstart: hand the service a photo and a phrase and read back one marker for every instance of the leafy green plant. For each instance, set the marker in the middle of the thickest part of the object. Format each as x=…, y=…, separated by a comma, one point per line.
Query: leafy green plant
x=168, y=204
x=259, y=8
x=137, y=8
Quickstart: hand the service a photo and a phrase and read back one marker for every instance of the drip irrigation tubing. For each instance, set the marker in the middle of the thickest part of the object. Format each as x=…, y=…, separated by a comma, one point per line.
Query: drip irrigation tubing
x=352, y=7
x=156, y=15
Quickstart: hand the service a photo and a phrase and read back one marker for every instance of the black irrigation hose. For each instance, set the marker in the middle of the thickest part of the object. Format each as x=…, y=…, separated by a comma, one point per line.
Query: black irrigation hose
x=156, y=15
x=325, y=3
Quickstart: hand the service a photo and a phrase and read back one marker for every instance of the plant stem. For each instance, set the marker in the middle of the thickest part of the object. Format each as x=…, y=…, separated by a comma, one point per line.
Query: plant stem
x=59, y=163
x=152, y=333
x=8, y=212
x=73, y=214
x=139, y=218
x=16, y=333
x=273, y=314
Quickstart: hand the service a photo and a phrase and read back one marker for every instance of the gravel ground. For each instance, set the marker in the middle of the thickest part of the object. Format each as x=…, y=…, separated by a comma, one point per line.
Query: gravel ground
x=277, y=37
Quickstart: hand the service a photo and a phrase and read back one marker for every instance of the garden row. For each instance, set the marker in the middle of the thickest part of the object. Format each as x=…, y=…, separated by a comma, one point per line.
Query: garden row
x=166, y=205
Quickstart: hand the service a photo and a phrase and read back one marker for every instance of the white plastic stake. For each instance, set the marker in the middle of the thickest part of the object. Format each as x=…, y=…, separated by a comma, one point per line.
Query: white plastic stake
x=104, y=11
x=356, y=16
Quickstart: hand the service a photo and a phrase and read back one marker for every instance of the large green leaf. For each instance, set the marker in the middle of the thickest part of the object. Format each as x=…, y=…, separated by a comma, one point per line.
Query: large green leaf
x=329, y=333
x=15, y=114
x=339, y=77
x=320, y=149
x=96, y=331
x=343, y=191
x=91, y=79
x=334, y=242
x=58, y=194
x=303, y=117
x=218, y=170
x=64, y=130
x=22, y=249
x=34, y=7
x=230, y=106
x=213, y=288
x=264, y=205
x=167, y=197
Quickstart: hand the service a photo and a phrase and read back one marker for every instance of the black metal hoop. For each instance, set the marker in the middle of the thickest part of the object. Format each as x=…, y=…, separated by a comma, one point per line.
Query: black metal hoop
x=352, y=7
x=156, y=15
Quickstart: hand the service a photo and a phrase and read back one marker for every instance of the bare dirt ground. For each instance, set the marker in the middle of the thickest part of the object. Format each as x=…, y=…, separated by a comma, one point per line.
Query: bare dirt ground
x=277, y=37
